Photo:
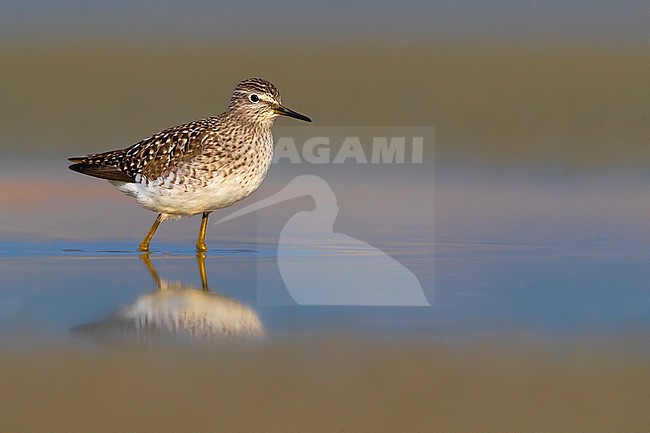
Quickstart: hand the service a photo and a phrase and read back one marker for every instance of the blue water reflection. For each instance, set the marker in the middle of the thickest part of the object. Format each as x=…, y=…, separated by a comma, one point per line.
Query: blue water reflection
x=553, y=290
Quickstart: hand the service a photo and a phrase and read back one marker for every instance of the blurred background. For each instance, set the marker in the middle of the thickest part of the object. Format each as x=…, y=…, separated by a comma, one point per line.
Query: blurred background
x=553, y=92
x=516, y=83
x=542, y=197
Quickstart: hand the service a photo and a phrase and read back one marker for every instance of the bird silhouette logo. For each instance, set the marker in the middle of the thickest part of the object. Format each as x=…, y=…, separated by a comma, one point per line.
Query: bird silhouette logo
x=321, y=267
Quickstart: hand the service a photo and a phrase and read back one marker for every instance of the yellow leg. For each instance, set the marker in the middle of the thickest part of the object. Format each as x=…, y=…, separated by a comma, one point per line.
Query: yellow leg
x=147, y=261
x=200, y=242
x=200, y=260
x=144, y=245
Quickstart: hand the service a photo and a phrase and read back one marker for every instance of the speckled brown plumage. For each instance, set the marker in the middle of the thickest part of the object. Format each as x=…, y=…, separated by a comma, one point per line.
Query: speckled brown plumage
x=200, y=166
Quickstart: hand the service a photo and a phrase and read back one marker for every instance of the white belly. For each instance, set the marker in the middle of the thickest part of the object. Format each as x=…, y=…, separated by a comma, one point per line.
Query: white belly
x=187, y=200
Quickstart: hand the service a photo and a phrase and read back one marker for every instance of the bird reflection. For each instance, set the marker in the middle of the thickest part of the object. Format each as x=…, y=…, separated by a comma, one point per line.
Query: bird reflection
x=176, y=309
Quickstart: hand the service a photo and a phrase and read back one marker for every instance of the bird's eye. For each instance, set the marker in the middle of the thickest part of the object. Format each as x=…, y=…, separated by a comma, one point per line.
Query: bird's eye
x=254, y=98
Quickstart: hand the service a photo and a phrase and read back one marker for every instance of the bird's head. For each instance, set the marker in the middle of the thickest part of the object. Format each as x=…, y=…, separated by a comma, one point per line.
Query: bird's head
x=259, y=101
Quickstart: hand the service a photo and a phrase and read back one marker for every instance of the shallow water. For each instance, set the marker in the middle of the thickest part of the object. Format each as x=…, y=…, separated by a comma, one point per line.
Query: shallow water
x=50, y=287
x=551, y=290
x=548, y=260
x=530, y=289
x=557, y=332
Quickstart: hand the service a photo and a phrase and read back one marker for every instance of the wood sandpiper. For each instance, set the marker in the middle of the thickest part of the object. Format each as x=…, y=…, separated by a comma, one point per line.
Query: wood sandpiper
x=201, y=166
